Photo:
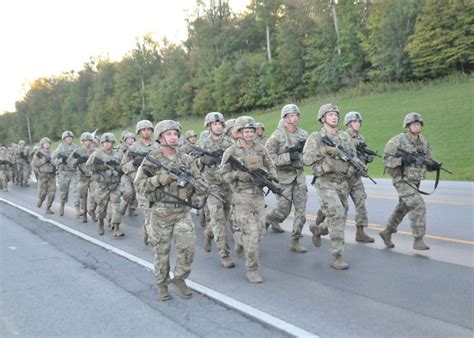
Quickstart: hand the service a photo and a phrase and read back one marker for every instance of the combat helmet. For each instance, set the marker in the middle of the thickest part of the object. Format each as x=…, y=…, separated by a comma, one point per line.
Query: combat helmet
x=229, y=124
x=352, y=116
x=166, y=125
x=190, y=133
x=412, y=117
x=214, y=117
x=260, y=125
x=144, y=124
x=289, y=109
x=67, y=133
x=107, y=137
x=126, y=135
x=244, y=122
x=44, y=140
x=86, y=136
x=326, y=108
x=21, y=142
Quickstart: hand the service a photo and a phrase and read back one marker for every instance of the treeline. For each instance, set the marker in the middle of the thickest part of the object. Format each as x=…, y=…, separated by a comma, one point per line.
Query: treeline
x=277, y=51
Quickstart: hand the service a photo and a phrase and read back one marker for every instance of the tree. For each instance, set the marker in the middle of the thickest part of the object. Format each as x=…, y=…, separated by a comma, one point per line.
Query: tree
x=443, y=41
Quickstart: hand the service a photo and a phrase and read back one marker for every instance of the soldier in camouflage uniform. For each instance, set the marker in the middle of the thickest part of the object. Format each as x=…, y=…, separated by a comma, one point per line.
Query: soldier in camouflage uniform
x=22, y=161
x=132, y=160
x=67, y=178
x=170, y=209
x=218, y=211
x=291, y=174
x=5, y=168
x=46, y=174
x=127, y=191
x=230, y=131
x=190, y=138
x=77, y=160
x=104, y=164
x=260, y=133
x=407, y=174
x=248, y=197
x=333, y=178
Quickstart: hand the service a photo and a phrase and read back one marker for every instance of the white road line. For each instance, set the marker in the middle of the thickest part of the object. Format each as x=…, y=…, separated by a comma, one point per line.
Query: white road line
x=248, y=310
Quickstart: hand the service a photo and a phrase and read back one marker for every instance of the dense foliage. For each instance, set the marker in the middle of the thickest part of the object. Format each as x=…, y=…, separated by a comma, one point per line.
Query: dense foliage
x=277, y=51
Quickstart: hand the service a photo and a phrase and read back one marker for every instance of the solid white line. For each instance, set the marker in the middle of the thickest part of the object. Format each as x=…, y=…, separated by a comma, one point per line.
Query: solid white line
x=219, y=297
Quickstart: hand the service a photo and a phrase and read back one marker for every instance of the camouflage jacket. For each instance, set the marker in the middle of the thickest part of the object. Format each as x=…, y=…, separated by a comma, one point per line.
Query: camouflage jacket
x=147, y=182
x=43, y=164
x=22, y=155
x=61, y=155
x=73, y=161
x=288, y=170
x=5, y=166
x=358, y=139
x=210, y=174
x=314, y=154
x=393, y=162
x=106, y=168
x=230, y=174
x=261, y=139
x=138, y=148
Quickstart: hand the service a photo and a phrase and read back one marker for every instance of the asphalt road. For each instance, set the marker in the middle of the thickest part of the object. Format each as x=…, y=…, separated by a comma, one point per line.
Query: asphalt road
x=396, y=292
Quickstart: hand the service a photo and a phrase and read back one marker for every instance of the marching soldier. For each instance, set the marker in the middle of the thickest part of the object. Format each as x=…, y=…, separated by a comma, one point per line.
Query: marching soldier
x=170, y=207
x=128, y=195
x=22, y=160
x=46, y=174
x=5, y=168
x=248, y=196
x=190, y=137
x=400, y=160
x=67, y=178
x=260, y=133
x=285, y=146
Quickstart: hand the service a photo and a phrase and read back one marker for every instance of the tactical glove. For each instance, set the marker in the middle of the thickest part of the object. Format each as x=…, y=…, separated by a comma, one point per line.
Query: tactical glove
x=165, y=179
x=408, y=159
x=294, y=156
x=331, y=151
x=207, y=160
x=137, y=162
x=432, y=165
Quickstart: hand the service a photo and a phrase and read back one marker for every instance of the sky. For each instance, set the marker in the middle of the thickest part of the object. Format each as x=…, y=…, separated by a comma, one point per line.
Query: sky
x=41, y=38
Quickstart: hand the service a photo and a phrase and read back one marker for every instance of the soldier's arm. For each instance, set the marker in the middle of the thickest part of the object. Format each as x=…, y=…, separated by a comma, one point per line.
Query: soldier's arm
x=312, y=151
x=269, y=164
x=390, y=157
x=274, y=146
x=146, y=181
x=228, y=175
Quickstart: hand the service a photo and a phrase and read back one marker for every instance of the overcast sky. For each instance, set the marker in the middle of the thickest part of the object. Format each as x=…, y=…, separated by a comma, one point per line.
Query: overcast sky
x=40, y=38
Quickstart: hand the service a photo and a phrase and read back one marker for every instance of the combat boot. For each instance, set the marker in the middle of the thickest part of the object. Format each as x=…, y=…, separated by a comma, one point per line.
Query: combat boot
x=227, y=262
x=49, y=211
x=276, y=228
x=93, y=215
x=338, y=263
x=40, y=203
x=77, y=211
x=361, y=236
x=182, y=288
x=116, y=230
x=254, y=276
x=419, y=244
x=164, y=293
x=61, y=209
x=296, y=246
x=131, y=212
x=314, y=228
x=387, y=237
x=320, y=217
x=48, y=206
x=238, y=247
x=207, y=241
x=84, y=217
x=101, y=226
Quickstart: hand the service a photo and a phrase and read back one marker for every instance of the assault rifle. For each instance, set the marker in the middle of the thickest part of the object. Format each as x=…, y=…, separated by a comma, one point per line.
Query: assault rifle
x=418, y=158
x=39, y=154
x=24, y=157
x=216, y=155
x=347, y=157
x=111, y=164
x=63, y=157
x=183, y=177
x=80, y=159
x=259, y=176
x=7, y=162
x=362, y=148
x=298, y=147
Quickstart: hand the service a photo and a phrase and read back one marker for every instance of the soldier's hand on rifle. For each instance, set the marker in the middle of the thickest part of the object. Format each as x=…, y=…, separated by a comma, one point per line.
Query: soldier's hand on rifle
x=294, y=155
x=137, y=162
x=408, y=159
x=432, y=165
x=207, y=160
x=331, y=151
x=165, y=179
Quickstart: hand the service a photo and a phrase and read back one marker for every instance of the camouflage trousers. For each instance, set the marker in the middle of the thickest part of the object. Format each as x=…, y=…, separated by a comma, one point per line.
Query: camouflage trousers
x=127, y=191
x=333, y=193
x=4, y=178
x=297, y=193
x=83, y=186
x=47, y=187
x=167, y=222
x=410, y=202
x=108, y=193
x=22, y=172
x=219, y=213
x=67, y=181
x=358, y=196
x=250, y=217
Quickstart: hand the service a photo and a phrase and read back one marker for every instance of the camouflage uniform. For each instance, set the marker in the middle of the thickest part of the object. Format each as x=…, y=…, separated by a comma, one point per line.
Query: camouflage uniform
x=107, y=178
x=170, y=213
x=291, y=177
x=67, y=176
x=406, y=177
x=46, y=176
x=218, y=210
x=5, y=168
x=248, y=198
x=22, y=161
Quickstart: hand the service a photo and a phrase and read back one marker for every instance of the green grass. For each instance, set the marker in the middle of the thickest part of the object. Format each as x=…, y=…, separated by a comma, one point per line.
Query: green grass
x=446, y=106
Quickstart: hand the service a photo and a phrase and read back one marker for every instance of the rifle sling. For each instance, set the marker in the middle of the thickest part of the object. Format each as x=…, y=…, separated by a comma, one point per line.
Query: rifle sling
x=179, y=200
x=438, y=171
